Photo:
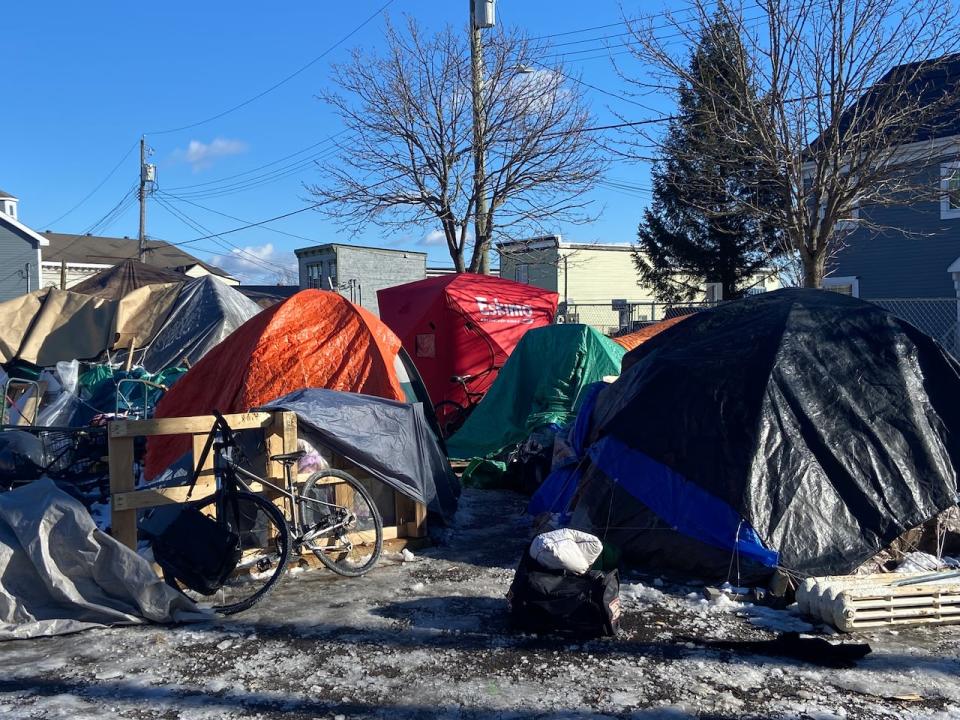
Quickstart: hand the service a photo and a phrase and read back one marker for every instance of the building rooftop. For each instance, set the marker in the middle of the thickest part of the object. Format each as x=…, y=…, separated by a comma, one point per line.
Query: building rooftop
x=100, y=250
x=327, y=246
x=556, y=241
x=933, y=83
x=6, y=195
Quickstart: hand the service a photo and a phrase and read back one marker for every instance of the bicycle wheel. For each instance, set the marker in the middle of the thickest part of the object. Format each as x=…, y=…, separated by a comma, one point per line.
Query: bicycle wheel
x=265, y=542
x=343, y=525
x=450, y=416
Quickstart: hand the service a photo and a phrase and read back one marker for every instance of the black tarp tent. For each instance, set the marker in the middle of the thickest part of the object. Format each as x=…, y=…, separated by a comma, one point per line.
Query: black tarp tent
x=391, y=440
x=800, y=428
x=205, y=312
x=125, y=277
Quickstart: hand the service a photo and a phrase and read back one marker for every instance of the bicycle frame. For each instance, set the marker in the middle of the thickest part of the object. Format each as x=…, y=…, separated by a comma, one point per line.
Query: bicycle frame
x=227, y=479
x=292, y=498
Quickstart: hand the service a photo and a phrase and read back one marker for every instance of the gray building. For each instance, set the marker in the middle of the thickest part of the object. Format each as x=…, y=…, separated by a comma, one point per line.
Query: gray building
x=357, y=271
x=20, y=249
x=911, y=250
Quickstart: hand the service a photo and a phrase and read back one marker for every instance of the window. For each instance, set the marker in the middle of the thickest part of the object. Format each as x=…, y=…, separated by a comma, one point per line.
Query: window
x=848, y=285
x=950, y=190
x=522, y=273
x=332, y=274
x=314, y=274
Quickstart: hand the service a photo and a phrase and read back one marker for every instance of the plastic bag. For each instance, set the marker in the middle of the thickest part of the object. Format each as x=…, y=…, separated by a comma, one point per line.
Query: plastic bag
x=22, y=456
x=566, y=549
x=68, y=373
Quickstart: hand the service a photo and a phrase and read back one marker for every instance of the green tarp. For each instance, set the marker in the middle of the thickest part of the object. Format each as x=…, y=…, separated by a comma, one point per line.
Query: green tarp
x=541, y=383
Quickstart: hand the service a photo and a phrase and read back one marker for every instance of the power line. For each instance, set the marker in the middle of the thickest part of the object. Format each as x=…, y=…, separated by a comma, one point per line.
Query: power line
x=250, y=225
x=260, y=167
x=115, y=212
x=574, y=32
x=272, y=176
x=233, y=217
x=285, y=80
x=594, y=87
x=99, y=185
x=225, y=244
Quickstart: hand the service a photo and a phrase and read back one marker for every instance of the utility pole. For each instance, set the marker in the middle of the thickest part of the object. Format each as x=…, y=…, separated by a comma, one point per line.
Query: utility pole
x=481, y=16
x=148, y=174
x=142, y=235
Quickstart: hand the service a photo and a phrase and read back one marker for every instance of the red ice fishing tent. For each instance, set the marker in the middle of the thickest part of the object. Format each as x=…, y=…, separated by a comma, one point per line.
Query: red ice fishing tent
x=464, y=324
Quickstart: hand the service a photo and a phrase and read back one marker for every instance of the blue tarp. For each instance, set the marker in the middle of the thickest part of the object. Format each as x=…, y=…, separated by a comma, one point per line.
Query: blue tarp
x=557, y=490
x=686, y=507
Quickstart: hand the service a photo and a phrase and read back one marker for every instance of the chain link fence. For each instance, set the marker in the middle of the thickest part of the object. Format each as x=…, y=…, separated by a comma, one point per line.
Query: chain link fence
x=612, y=318
x=938, y=317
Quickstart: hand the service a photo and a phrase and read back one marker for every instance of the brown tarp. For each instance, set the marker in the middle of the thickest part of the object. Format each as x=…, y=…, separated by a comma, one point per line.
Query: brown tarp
x=125, y=277
x=639, y=337
x=49, y=325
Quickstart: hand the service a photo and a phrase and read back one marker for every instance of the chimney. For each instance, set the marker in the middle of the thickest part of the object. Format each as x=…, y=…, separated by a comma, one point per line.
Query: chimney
x=8, y=204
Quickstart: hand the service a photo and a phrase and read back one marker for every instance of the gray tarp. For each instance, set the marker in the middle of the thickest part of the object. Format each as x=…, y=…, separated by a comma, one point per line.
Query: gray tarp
x=60, y=574
x=390, y=440
x=205, y=312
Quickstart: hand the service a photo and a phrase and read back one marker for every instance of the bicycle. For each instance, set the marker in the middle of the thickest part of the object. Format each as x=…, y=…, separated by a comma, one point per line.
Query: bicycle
x=450, y=414
x=332, y=515
x=74, y=458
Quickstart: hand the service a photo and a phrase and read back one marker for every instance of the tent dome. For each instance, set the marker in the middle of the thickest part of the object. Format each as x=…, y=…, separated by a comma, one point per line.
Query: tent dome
x=125, y=277
x=799, y=428
x=314, y=339
x=463, y=324
x=543, y=382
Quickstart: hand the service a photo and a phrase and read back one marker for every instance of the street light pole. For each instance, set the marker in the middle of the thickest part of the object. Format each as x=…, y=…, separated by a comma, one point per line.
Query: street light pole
x=481, y=16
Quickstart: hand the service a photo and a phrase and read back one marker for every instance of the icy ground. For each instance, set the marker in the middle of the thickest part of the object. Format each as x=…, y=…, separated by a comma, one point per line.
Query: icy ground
x=428, y=639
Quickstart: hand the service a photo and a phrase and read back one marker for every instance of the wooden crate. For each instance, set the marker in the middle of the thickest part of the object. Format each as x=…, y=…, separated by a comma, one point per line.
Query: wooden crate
x=280, y=430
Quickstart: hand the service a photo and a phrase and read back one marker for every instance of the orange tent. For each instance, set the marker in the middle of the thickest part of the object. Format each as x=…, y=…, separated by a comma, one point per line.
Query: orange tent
x=313, y=339
x=638, y=338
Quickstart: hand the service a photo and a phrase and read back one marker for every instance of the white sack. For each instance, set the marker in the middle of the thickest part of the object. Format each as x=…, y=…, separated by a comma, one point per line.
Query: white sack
x=566, y=549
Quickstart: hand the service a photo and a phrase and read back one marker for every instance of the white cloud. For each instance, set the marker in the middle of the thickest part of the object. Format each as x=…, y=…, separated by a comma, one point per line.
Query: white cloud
x=435, y=238
x=259, y=265
x=200, y=155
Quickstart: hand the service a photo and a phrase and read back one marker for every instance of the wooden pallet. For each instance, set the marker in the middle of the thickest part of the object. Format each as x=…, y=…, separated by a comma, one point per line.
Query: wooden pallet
x=280, y=431
x=853, y=603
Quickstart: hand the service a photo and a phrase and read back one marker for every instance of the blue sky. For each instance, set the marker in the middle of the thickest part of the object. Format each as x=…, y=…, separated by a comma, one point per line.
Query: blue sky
x=82, y=81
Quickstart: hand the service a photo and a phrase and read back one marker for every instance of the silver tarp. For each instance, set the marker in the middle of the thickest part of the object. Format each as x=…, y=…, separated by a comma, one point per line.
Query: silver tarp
x=59, y=573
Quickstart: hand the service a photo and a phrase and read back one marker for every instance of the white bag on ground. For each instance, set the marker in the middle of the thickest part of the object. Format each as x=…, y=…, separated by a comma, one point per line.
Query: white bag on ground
x=566, y=549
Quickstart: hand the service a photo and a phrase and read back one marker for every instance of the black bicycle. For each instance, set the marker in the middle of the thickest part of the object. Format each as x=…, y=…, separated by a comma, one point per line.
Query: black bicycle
x=331, y=514
x=451, y=415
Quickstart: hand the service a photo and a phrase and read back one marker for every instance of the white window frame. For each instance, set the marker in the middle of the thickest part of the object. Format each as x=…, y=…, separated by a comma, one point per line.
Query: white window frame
x=948, y=170
x=839, y=280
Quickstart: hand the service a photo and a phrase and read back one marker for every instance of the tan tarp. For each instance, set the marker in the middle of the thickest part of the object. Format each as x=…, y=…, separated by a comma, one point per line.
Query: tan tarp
x=50, y=325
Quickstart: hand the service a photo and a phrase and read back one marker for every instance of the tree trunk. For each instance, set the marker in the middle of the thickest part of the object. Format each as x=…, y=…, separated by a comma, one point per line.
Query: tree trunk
x=481, y=249
x=814, y=262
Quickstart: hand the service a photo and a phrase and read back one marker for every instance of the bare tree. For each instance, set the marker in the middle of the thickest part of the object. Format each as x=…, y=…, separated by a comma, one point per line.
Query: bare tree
x=850, y=98
x=407, y=159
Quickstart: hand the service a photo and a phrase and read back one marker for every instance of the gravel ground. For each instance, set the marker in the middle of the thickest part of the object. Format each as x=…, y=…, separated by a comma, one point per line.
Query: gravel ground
x=428, y=639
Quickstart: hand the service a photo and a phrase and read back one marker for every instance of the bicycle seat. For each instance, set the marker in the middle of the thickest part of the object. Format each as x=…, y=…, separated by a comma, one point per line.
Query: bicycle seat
x=290, y=457
x=460, y=378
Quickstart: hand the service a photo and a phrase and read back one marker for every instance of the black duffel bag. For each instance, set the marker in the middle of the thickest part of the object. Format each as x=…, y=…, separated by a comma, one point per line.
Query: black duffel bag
x=193, y=548
x=543, y=600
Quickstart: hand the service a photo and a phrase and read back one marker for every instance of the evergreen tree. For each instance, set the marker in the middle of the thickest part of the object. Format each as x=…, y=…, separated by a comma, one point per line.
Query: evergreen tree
x=702, y=226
